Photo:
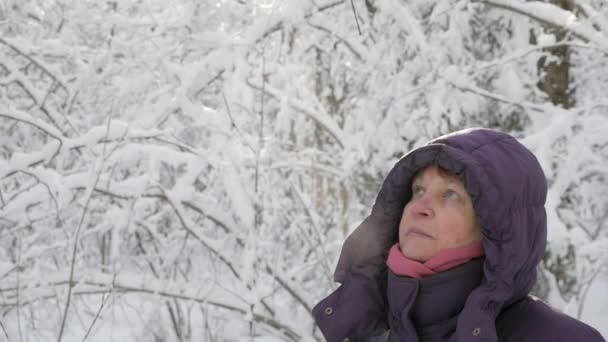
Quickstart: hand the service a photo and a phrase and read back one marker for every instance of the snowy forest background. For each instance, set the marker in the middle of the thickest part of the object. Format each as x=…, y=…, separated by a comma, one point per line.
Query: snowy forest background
x=191, y=167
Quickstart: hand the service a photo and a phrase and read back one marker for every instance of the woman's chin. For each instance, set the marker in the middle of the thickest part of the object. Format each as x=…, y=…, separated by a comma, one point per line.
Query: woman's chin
x=415, y=253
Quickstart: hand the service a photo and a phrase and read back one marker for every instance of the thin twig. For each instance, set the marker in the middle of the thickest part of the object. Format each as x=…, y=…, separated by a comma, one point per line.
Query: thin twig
x=51, y=89
x=4, y=331
x=233, y=123
x=352, y=3
x=48, y=188
x=21, y=117
x=174, y=320
x=70, y=106
x=261, y=132
x=585, y=291
x=315, y=228
x=103, y=303
x=339, y=37
x=75, y=246
x=208, y=83
x=19, y=291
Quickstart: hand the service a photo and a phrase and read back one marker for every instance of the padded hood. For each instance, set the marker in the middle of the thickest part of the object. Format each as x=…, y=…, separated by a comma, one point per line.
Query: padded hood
x=508, y=189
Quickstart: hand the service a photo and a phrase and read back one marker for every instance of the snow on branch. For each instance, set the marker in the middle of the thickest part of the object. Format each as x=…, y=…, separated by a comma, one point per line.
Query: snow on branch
x=478, y=70
x=355, y=47
x=460, y=81
x=409, y=22
x=20, y=161
x=292, y=165
x=17, y=115
x=552, y=15
x=39, y=98
x=117, y=130
x=274, y=28
x=321, y=118
x=599, y=20
x=51, y=73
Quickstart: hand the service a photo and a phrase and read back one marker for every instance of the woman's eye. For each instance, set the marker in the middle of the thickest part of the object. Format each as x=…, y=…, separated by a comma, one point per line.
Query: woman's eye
x=452, y=195
x=417, y=190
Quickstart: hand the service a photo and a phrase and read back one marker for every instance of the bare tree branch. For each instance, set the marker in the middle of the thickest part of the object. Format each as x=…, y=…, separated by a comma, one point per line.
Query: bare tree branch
x=356, y=18
x=48, y=189
x=103, y=303
x=315, y=228
x=19, y=291
x=356, y=50
x=4, y=331
x=124, y=287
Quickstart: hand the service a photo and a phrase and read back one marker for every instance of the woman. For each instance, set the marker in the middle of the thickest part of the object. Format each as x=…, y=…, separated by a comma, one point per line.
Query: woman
x=450, y=250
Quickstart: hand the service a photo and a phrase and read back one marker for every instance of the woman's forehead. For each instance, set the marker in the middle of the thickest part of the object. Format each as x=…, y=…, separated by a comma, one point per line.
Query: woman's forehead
x=434, y=170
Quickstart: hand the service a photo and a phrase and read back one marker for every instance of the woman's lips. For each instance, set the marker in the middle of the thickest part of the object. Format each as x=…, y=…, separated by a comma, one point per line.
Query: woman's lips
x=418, y=232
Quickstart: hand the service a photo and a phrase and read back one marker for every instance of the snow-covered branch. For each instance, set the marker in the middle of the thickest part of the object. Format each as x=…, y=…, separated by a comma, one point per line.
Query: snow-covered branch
x=355, y=47
x=549, y=14
x=54, y=75
x=322, y=118
x=460, y=81
x=17, y=115
x=118, y=131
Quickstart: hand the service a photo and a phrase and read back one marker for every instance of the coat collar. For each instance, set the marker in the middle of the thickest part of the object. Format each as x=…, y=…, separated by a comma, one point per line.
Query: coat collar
x=430, y=306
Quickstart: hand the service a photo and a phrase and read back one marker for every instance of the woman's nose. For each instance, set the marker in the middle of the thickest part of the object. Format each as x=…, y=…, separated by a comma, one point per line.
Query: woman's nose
x=423, y=207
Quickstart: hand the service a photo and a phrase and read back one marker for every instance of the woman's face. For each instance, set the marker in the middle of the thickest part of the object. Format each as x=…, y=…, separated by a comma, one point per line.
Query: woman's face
x=439, y=216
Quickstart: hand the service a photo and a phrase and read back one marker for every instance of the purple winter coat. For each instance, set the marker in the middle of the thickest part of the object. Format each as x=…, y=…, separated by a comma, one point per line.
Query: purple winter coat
x=483, y=300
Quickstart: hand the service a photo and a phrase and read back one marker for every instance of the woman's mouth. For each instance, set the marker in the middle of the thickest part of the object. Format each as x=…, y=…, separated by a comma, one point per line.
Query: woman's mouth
x=418, y=232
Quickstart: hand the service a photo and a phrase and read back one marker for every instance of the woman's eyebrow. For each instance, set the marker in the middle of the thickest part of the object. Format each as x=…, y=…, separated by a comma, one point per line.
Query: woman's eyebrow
x=453, y=180
x=418, y=181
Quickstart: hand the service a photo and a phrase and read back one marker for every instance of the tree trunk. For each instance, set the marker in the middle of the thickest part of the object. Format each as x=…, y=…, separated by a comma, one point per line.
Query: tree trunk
x=556, y=80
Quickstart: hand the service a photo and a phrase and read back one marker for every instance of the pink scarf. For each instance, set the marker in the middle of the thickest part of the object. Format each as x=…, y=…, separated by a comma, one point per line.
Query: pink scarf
x=442, y=261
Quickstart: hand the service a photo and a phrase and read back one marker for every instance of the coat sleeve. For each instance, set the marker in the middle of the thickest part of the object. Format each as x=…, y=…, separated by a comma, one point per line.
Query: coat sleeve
x=576, y=330
x=531, y=320
x=354, y=312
